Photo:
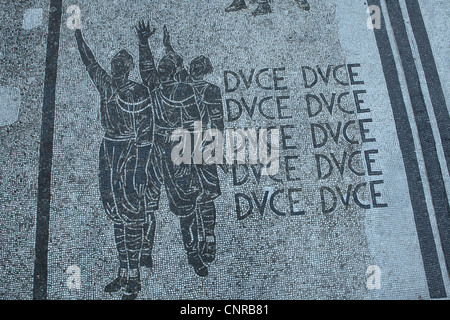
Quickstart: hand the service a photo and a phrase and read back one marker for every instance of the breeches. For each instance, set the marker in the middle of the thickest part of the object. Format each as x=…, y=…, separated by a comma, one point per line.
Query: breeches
x=117, y=173
x=184, y=188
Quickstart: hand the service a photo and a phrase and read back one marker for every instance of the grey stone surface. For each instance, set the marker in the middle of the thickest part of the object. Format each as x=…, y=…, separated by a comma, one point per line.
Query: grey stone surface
x=316, y=255
x=22, y=67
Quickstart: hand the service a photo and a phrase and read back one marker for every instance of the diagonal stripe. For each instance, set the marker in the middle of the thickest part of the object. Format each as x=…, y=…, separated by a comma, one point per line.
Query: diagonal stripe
x=427, y=142
x=431, y=75
x=46, y=153
x=420, y=211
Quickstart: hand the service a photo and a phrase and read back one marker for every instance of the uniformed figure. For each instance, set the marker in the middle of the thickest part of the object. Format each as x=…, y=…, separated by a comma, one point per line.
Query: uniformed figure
x=209, y=98
x=210, y=112
x=263, y=6
x=175, y=107
x=127, y=121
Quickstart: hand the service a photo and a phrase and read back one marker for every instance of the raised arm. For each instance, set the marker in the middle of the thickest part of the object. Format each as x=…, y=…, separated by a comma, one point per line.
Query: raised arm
x=86, y=54
x=182, y=75
x=166, y=41
x=147, y=66
x=98, y=75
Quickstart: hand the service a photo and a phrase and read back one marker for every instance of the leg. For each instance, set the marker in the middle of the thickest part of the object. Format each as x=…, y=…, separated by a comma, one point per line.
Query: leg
x=115, y=194
x=236, y=6
x=120, y=281
x=182, y=192
x=152, y=196
x=133, y=243
x=148, y=240
x=189, y=232
x=206, y=224
x=107, y=181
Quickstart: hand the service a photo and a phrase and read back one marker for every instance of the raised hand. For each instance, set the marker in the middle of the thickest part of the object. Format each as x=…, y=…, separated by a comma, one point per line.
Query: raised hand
x=166, y=38
x=143, y=31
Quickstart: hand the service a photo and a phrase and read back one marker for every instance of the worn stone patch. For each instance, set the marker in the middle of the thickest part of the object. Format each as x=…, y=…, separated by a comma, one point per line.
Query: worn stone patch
x=32, y=18
x=10, y=100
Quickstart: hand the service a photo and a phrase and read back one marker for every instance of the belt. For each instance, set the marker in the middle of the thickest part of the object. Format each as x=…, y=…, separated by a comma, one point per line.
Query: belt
x=119, y=137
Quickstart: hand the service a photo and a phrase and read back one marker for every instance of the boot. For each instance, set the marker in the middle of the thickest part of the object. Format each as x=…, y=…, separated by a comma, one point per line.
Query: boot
x=117, y=284
x=132, y=288
x=263, y=8
x=196, y=262
x=147, y=243
x=189, y=232
x=208, y=249
x=146, y=258
x=206, y=220
x=303, y=4
x=236, y=6
x=133, y=239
